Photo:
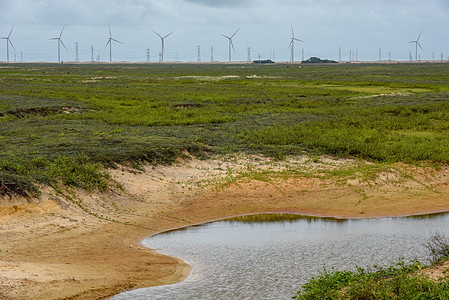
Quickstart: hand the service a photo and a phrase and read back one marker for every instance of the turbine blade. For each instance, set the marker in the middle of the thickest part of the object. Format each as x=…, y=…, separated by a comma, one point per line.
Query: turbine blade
x=62, y=31
x=117, y=41
x=168, y=34
x=298, y=40
x=107, y=43
x=289, y=45
x=293, y=34
x=10, y=31
x=419, y=36
x=235, y=32
x=412, y=42
x=232, y=45
x=420, y=46
x=11, y=44
x=225, y=36
x=158, y=34
x=63, y=45
x=49, y=39
x=110, y=32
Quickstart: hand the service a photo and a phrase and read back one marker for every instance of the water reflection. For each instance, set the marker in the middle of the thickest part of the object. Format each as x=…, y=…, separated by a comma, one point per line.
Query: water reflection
x=280, y=217
x=268, y=256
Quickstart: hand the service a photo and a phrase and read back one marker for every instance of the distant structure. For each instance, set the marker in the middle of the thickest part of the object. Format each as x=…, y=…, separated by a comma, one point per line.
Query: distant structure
x=8, y=42
x=92, y=58
x=266, y=61
x=248, y=59
x=230, y=42
x=59, y=43
x=211, y=54
x=416, y=45
x=110, y=40
x=148, y=55
x=163, y=45
x=198, y=59
x=292, y=45
x=77, y=56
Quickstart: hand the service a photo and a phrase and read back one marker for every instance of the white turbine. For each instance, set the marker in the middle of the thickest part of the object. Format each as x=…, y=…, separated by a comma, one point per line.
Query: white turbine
x=292, y=45
x=163, y=45
x=416, y=45
x=231, y=44
x=59, y=43
x=8, y=42
x=110, y=40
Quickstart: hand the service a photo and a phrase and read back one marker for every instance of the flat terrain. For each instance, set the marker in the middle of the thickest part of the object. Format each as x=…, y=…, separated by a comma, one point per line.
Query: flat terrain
x=93, y=158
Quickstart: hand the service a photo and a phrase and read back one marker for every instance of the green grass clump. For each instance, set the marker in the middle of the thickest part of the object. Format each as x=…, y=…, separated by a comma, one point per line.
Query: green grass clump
x=400, y=281
x=20, y=176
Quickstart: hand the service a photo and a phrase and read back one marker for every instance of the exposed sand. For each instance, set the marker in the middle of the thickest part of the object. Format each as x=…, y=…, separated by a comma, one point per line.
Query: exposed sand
x=53, y=249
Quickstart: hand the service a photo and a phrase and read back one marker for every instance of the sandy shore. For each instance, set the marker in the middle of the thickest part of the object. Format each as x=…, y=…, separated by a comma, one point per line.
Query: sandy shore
x=84, y=245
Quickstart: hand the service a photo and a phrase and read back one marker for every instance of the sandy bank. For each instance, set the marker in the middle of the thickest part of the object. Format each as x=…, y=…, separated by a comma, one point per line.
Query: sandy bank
x=87, y=245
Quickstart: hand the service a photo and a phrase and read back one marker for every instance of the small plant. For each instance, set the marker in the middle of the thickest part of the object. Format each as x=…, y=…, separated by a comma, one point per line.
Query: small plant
x=438, y=246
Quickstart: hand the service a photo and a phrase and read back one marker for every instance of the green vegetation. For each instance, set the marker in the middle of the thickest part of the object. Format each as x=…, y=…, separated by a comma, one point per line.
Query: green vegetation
x=64, y=123
x=401, y=281
x=317, y=60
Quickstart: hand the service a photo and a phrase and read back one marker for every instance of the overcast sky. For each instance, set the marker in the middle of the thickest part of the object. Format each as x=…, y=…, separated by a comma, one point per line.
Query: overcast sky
x=360, y=26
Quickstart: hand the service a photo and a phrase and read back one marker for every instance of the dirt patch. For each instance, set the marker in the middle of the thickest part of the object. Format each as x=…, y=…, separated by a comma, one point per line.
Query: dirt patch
x=81, y=245
x=44, y=111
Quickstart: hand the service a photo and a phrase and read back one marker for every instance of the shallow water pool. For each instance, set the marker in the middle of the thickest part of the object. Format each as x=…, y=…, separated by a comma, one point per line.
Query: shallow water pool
x=269, y=256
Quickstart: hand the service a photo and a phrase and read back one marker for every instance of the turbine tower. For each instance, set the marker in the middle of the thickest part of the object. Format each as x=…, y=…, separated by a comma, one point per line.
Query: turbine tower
x=8, y=42
x=59, y=43
x=416, y=45
x=292, y=45
x=110, y=40
x=231, y=44
x=163, y=44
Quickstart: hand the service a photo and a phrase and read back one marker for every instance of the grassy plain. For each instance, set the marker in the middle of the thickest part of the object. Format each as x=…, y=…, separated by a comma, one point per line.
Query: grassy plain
x=85, y=127
x=65, y=122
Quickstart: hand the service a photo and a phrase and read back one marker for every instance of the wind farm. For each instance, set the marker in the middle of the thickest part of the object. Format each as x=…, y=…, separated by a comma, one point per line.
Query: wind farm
x=231, y=55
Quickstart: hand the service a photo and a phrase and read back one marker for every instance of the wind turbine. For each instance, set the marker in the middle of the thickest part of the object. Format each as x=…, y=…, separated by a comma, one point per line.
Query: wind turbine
x=59, y=43
x=110, y=43
x=231, y=44
x=292, y=45
x=163, y=45
x=416, y=45
x=8, y=41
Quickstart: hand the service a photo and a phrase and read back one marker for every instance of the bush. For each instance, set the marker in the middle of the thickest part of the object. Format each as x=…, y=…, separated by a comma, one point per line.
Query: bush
x=438, y=246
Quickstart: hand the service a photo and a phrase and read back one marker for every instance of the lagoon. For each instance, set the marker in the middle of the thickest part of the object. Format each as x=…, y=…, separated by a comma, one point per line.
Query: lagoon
x=269, y=256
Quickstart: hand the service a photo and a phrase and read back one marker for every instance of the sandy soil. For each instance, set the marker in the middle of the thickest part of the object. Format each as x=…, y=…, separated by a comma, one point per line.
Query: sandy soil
x=81, y=245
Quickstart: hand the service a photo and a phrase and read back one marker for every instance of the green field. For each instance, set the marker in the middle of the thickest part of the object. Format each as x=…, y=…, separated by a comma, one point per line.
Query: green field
x=62, y=122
